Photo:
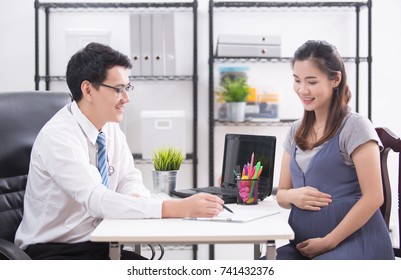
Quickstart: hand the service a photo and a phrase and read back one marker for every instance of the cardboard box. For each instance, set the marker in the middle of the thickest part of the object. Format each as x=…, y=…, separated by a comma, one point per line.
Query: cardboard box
x=162, y=129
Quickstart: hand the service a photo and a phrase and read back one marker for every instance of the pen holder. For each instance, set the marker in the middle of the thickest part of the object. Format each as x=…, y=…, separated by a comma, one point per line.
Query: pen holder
x=247, y=191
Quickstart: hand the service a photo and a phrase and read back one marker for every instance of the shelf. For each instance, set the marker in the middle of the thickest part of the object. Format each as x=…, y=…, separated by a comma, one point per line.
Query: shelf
x=122, y=6
x=139, y=160
x=254, y=123
x=163, y=78
x=290, y=6
x=132, y=78
x=125, y=7
x=226, y=59
x=239, y=7
x=244, y=4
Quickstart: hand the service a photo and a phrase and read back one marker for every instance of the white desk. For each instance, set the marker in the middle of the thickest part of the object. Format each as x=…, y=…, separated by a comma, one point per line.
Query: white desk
x=180, y=231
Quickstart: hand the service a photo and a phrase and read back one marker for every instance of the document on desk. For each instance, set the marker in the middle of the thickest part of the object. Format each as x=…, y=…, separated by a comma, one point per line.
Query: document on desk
x=239, y=216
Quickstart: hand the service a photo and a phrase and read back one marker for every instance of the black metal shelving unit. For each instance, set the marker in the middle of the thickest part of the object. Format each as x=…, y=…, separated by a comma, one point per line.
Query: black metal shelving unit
x=126, y=7
x=269, y=6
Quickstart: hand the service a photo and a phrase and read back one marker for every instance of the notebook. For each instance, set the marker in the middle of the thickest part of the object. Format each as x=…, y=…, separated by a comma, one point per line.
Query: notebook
x=238, y=149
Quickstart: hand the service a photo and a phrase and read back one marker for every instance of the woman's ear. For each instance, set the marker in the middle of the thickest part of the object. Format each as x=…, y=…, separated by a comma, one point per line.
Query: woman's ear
x=337, y=79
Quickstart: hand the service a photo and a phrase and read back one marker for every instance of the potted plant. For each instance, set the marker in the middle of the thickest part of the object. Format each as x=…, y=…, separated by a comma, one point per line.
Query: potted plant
x=166, y=162
x=234, y=91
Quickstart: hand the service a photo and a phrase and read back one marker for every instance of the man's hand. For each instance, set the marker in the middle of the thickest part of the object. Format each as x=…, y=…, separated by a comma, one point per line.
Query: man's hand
x=198, y=205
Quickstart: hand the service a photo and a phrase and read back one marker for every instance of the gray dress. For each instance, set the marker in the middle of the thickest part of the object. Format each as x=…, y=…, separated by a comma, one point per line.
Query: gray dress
x=372, y=241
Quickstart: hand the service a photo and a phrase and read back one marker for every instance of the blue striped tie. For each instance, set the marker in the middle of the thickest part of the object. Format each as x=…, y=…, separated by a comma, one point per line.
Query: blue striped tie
x=101, y=158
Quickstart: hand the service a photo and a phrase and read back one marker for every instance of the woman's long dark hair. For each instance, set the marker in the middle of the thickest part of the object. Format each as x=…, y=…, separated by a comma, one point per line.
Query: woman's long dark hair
x=328, y=60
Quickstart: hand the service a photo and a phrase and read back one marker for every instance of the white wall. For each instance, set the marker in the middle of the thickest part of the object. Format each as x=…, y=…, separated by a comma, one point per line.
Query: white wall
x=17, y=57
x=17, y=45
x=17, y=61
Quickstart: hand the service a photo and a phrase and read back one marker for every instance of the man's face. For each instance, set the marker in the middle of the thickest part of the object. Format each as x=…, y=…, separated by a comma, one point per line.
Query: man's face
x=108, y=102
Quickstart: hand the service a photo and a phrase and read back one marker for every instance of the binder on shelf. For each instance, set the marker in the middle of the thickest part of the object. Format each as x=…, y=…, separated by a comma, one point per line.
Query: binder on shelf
x=240, y=50
x=158, y=52
x=249, y=39
x=135, y=30
x=169, y=43
x=146, y=44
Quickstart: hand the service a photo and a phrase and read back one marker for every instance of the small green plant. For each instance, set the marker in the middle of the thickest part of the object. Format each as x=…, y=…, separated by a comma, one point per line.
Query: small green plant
x=167, y=159
x=234, y=89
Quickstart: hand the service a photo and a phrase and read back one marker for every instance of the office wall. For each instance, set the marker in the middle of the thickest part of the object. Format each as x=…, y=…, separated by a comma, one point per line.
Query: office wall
x=17, y=63
x=17, y=59
x=16, y=45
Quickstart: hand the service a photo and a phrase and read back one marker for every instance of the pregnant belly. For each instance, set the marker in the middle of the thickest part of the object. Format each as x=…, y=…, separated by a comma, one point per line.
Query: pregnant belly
x=310, y=224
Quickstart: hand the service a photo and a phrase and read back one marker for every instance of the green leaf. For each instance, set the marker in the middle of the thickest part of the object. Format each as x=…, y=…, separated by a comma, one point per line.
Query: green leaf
x=167, y=158
x=234, y=89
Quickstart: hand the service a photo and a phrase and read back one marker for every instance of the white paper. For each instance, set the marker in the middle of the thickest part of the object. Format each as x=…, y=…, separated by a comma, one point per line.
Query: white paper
x=239, y=216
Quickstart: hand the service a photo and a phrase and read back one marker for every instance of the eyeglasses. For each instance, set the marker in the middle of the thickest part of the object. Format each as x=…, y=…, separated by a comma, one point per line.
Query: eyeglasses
x=119, y=90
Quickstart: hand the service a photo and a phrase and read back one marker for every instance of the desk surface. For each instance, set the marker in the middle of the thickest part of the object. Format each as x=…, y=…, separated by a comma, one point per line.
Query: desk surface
x=180, y=231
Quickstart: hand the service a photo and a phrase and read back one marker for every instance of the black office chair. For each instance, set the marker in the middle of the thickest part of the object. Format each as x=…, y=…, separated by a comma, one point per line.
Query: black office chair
x=22, y=115
x=390, y=142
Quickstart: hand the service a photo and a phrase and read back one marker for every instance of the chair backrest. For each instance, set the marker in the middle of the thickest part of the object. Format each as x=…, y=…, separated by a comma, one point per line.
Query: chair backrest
x=22, y=115
x=390, y=142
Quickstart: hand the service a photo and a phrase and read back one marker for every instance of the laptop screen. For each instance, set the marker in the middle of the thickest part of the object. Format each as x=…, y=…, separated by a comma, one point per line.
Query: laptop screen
x=238, y=149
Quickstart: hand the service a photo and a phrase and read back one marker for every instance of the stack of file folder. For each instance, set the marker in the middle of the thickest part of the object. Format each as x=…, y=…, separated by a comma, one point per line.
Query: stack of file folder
x=230, y=45
x=153, y=44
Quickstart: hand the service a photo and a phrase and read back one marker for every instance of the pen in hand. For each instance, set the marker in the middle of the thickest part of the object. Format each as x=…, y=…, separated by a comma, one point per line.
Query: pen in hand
x=228, y=209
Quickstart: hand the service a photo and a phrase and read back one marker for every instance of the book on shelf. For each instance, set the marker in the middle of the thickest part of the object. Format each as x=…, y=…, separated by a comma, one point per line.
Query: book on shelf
x=262, y=111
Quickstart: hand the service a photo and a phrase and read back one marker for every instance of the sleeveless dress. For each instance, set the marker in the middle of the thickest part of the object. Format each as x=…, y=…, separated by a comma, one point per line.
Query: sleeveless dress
x=328, y=173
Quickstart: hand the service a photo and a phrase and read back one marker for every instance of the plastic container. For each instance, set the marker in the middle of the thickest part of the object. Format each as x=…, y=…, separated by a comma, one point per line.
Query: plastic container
x=162, y=129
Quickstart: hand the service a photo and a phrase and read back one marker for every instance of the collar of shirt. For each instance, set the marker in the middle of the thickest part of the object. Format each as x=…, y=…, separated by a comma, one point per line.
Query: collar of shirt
x=87, y=127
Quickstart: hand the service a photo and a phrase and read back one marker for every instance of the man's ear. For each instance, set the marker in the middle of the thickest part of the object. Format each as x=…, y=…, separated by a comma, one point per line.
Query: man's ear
x=86, y=89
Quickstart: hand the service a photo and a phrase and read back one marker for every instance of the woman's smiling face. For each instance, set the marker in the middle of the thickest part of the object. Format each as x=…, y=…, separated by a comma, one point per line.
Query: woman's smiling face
x=312, y=85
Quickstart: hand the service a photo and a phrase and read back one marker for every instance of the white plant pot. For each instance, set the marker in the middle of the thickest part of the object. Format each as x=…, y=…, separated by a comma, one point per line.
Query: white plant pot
x=236, y=111
x=164, y=181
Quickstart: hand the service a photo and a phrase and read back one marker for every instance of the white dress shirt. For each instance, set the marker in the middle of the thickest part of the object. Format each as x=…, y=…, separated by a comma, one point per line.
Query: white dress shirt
x=65, y=199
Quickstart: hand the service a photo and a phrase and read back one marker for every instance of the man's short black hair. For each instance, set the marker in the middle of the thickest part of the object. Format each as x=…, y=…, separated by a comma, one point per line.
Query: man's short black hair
x=91, y=64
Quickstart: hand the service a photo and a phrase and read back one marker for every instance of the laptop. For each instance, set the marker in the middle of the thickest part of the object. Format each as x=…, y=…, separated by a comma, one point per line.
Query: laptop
x=238, y=149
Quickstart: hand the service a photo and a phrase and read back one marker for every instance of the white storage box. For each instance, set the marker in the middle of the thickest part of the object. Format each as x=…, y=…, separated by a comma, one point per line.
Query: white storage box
x=162, y=129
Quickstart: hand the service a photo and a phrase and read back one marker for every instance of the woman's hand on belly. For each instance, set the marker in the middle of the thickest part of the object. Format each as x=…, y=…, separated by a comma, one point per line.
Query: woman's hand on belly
x=310, y=198
x=315, y=246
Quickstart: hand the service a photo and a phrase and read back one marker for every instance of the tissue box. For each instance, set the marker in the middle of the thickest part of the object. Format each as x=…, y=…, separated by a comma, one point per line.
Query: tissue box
x=162, y=129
